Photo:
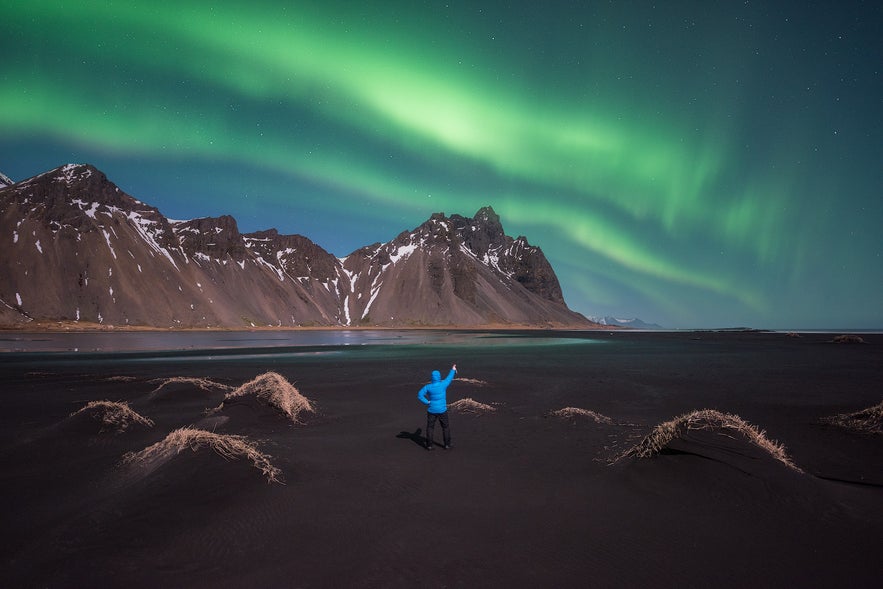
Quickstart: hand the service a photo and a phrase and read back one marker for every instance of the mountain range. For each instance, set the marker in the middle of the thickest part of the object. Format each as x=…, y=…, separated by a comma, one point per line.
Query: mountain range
x=76, y=248
x=633, y=323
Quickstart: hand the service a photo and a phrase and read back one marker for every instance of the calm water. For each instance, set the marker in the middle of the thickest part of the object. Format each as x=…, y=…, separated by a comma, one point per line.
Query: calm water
x=273, y=342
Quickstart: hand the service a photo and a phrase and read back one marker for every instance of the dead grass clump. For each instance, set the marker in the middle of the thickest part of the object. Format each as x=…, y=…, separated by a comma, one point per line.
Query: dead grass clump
x=848, y=339
x=475, y=381
x=274, y=390
x=114, y=416
x=229, y=447
x=469, y=405
x=868, y=420
x=576, y=412
x=706, y=419
x=201, y=383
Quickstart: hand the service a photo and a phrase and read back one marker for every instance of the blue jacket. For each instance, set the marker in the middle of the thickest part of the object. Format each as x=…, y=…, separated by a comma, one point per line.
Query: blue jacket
x=434, y=394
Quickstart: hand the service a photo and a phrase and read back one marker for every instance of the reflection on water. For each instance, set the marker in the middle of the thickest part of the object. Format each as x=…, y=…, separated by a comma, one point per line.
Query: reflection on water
x=195, y=340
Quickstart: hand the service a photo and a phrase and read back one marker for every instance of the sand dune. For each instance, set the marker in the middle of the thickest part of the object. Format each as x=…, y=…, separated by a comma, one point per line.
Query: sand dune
x=725, y=424
x=469, y=405
x=271, y=390
x=186, y=382
x=868, y=420
x=111, y=416
x=472, y=381
x=229, y=447
x=577, y=412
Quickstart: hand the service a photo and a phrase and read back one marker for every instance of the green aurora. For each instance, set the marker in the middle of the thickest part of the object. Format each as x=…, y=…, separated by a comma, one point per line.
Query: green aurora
x=695, y=166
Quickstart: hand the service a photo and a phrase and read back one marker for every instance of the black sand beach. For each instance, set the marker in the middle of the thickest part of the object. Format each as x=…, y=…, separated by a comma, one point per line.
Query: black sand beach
x=525, y=498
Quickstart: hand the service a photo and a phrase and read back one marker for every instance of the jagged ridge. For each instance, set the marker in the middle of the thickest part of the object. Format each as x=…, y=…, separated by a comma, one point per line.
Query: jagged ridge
x=83, y=250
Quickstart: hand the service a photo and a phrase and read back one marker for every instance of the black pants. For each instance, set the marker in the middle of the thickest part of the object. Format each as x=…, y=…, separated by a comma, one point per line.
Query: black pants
x=430, y=427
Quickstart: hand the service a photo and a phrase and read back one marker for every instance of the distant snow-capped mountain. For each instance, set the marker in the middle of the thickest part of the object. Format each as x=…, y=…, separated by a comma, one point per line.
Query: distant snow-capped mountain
x=83, y=250
x=5, y=180
x=633, y=323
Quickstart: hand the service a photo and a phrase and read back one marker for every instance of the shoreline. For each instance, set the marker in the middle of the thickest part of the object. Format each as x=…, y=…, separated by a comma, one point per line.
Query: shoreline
x=88, y=327
x=82, y=327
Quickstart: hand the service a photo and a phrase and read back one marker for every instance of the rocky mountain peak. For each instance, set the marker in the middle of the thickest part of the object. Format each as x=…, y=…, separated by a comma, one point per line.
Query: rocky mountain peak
x=214, y=237
x=487, y=216
x=5, y=181
x=481, y=233
x=79, y=197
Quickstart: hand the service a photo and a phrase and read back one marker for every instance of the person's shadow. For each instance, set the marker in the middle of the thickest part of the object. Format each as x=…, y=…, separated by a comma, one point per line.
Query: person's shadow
x=416, y=437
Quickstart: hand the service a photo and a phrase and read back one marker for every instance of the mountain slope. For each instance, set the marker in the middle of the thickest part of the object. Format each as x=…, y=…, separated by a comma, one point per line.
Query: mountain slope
x=455, y=271
x=83, y=250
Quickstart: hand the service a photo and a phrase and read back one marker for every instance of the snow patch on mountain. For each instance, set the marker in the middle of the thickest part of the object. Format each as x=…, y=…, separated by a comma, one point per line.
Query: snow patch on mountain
x=403, y=252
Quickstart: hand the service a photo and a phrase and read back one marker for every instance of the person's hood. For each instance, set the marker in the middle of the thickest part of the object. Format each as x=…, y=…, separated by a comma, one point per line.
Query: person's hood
x=436, y=376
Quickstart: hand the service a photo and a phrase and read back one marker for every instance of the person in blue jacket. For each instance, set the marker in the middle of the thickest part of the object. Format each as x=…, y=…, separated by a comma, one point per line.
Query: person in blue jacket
x=434, y=396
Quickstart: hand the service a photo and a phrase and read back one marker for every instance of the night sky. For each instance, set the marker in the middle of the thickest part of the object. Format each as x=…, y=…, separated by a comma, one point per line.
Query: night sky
x=694, y=164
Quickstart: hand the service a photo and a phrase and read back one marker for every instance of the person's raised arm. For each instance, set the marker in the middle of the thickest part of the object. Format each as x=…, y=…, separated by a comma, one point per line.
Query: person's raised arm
x=451, y=374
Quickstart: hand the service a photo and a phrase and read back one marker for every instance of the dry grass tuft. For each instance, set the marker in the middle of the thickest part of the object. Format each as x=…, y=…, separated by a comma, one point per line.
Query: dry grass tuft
x=706, y=419
x=848, y=339
x=274, y=390
x=201, y=383
x=576, y=412
x=114, y=416
x=475, y=381
x=229, y=447
x=469, y=405
x=868, y=420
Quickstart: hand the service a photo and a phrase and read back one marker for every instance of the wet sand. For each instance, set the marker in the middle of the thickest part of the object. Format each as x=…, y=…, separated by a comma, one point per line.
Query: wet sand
x=525, y=498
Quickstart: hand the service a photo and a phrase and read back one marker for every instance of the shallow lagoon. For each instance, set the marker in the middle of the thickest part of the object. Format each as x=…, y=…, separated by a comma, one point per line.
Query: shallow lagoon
x=226, y=340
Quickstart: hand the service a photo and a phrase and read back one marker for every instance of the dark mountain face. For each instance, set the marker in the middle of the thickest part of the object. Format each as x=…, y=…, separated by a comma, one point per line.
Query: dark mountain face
x=83, y=250
x=212, y=237
x=515, y=258
x=456, y=271
x=295, y=254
